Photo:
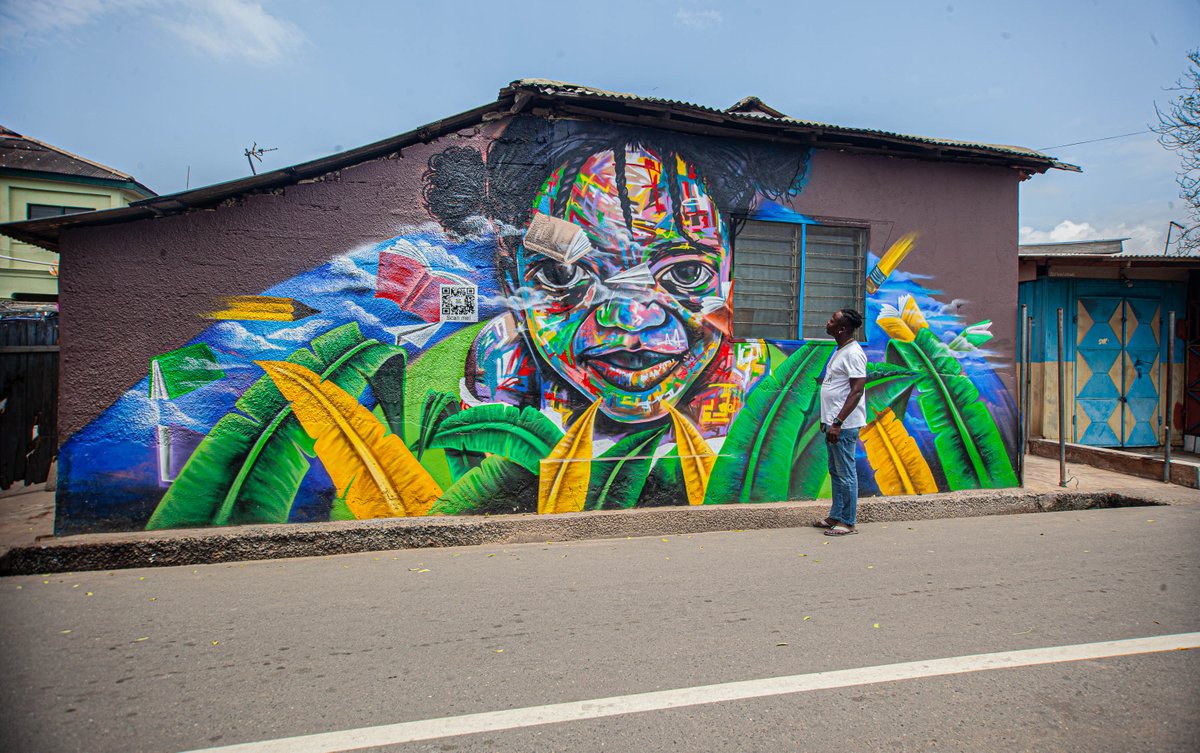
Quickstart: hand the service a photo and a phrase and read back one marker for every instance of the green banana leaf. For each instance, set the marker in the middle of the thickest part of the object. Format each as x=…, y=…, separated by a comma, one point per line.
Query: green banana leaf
x=774, y=444
x=496, y=486
x=968, y=443
x=522, y=435
x=439, y=368
x=438, y=406
x=810, y=458
x=620, y=474
x=889, y=386
x=458, y=463
x=387, y=383
x=249, y=467
x=665, y=487
x=446, y=466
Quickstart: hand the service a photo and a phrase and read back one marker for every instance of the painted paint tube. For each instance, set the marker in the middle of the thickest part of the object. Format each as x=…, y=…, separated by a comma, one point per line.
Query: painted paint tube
x=889, y=262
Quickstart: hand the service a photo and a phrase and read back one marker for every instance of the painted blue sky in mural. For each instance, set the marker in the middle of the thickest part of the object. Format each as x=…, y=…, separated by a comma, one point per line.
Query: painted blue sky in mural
x=173, y=87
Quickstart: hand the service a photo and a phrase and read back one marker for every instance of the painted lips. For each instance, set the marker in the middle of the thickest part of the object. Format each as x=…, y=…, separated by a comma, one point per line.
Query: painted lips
x=634, y=370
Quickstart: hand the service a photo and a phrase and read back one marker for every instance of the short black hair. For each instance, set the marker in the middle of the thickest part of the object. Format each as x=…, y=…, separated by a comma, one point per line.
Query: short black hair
x=852, y=318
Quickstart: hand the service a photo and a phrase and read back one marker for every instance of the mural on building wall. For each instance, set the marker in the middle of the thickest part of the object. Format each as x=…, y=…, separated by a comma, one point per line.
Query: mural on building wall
x=558, y=338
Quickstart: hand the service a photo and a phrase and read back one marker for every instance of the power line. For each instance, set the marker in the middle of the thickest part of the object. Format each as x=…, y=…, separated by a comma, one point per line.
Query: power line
x=1093, y=141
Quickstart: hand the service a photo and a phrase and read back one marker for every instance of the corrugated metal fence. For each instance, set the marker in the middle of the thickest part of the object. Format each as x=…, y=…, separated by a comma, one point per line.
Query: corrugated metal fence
x=28, y=399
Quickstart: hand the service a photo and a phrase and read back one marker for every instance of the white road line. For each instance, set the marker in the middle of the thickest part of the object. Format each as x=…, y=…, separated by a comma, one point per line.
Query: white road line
x=493, y=721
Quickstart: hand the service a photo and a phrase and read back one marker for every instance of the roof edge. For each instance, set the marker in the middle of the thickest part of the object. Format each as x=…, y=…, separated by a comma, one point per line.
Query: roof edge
x=131, y=185
x=45, y=233
x=665, y=114
x=72, y=155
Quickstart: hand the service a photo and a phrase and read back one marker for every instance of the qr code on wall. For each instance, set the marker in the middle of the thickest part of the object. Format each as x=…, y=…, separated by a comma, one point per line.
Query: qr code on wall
x=460, y=303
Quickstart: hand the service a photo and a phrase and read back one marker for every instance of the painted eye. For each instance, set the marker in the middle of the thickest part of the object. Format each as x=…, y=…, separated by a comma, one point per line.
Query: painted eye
x=558, y=276
x=689, y=276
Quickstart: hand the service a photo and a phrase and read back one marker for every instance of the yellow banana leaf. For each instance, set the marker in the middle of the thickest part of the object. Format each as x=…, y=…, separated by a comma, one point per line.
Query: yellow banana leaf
x=896, y=328
x=893, y=453
x=695, y=456
x=566, y=471
x=381, y=477
x=912, y=315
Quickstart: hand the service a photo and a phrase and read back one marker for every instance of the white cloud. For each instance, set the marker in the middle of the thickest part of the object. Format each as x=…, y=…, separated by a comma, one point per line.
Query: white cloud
x=699, y=19
x=222, y=29
x=303, y=333
x=234, y=30
x=238, y=338
x=352, y=310
x=28, y=22
x=345, y=276
x=1143, y=238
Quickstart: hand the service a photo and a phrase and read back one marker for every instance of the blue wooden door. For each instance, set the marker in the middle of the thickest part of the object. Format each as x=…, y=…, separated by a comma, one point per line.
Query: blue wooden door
x=1116, y=371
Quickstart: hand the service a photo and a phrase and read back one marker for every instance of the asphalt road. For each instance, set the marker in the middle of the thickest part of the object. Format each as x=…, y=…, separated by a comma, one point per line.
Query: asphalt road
x=177, y=659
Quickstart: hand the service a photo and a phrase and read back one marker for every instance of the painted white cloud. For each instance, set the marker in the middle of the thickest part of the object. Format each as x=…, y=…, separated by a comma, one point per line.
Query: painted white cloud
x=227, y=30
x=236, y=337
x=352, y=310
x=345, y=276
x=303, y=333
x=698, y=19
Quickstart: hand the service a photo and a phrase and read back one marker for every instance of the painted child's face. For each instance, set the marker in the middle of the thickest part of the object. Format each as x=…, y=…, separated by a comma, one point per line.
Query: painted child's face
x=626, y=322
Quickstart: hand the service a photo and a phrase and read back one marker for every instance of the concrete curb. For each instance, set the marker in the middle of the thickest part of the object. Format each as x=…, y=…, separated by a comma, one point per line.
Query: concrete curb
x=113, y=551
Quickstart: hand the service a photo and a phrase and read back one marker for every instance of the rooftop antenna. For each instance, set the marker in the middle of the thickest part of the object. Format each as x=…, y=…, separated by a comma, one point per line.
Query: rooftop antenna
x=1170, y=226
x=256, y=152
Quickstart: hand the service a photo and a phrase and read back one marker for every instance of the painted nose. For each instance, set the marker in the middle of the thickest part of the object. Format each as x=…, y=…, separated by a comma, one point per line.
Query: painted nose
x=630, y=315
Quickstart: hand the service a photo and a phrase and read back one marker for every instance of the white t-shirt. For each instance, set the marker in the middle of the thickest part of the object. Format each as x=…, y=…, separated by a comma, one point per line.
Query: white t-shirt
x=848, y=361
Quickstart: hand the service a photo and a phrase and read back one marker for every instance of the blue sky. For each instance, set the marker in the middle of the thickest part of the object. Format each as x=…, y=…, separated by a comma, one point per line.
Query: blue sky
x=153, y=87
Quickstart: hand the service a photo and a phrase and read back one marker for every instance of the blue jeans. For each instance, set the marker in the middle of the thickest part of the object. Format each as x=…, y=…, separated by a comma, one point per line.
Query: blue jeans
x=843, y=474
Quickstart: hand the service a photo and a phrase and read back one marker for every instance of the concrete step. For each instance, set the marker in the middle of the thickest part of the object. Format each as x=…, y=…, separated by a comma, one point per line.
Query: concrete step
x=1185, y=469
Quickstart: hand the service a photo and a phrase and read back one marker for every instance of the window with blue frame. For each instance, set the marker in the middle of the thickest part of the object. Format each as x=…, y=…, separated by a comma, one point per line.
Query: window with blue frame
x=788, y=278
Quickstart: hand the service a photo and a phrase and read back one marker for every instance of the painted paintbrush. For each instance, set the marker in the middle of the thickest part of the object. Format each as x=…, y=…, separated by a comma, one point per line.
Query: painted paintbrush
x=891, y=259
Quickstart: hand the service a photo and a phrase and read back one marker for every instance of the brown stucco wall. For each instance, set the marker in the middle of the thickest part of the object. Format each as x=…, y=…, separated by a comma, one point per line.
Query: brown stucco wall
x=965, y=215
x=128, y=292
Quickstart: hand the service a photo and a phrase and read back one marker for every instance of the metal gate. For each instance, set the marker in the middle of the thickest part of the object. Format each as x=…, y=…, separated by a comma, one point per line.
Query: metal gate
x=1117, y=371
x=28, y=399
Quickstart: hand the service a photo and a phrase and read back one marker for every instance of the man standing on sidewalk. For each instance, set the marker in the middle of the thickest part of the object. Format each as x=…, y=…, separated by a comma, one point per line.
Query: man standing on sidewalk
x=843, y=413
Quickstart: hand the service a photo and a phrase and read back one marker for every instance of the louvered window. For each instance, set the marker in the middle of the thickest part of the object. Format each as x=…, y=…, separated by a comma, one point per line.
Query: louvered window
x=788, y=279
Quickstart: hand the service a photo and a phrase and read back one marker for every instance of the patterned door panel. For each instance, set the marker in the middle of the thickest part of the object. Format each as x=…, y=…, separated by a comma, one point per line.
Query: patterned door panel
x=1142, y=328
x=1116, y=372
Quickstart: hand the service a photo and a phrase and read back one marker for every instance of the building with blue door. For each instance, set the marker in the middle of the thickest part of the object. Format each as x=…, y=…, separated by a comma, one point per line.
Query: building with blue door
x=1116, y=309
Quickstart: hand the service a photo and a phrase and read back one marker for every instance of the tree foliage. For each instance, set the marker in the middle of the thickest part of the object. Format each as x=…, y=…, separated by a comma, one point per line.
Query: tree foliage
x=1179, y=130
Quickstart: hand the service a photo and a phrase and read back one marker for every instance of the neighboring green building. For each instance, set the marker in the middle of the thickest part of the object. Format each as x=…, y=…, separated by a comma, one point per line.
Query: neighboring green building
x=39, y=180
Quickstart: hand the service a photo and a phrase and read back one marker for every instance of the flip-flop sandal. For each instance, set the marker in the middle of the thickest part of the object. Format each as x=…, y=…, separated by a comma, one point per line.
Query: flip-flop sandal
x=841, y=530
x=824, y=523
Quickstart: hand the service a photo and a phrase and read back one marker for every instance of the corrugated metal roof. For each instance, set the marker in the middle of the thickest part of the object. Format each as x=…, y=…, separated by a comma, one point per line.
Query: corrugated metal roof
x=1073, y=248
x=1101, y=249
x=20, y=152
x=1115, y=257
x=562, y=88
